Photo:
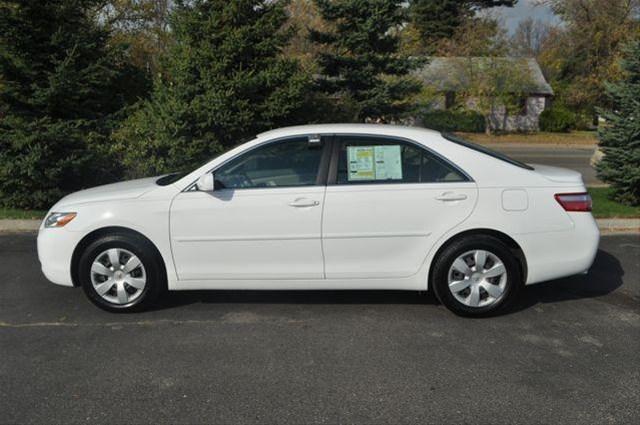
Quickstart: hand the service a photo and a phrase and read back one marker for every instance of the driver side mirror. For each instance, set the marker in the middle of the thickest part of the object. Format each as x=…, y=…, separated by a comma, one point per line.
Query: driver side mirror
x=205, y=183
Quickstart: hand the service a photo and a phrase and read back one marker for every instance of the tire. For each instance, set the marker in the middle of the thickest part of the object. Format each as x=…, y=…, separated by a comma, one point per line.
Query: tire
x=474, y=290
x=125, y=286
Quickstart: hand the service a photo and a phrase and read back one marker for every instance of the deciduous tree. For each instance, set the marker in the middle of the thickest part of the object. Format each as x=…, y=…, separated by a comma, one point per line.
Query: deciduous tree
x=582, y=54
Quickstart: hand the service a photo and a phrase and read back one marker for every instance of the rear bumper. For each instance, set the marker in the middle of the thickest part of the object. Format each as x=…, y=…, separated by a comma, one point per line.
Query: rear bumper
x=552, y=255
x=55, y=249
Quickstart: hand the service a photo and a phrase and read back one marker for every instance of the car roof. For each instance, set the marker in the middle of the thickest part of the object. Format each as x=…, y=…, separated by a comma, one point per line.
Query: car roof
x=382, y=129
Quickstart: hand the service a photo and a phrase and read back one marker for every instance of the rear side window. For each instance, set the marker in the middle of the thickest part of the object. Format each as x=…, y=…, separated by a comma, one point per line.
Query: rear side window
x=486, y=151
x=363, y=159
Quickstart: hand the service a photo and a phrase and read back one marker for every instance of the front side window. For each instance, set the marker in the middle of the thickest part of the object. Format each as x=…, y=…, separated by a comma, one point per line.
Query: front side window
x=365, y=159
x=287, y=163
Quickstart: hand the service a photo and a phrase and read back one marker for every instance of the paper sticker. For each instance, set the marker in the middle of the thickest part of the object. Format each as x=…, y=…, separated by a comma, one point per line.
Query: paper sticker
x=374, y=162
x=361, y=163
x=388, y=163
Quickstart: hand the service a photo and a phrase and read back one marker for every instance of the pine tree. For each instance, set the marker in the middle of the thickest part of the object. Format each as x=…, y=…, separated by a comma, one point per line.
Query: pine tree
x=60, y=84
x=362, y=67
x=620, y=135
x=439, y=19
x=225, y=80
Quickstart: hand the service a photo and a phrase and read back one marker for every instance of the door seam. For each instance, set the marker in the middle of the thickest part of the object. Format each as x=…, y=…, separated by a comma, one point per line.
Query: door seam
x=324, y=262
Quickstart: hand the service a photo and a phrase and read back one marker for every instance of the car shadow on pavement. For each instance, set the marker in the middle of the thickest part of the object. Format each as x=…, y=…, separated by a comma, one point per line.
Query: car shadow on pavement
x=180, y=298
x=604, y=277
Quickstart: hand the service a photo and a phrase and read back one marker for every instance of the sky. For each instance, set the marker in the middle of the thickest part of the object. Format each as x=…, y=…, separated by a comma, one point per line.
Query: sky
x=511, y=16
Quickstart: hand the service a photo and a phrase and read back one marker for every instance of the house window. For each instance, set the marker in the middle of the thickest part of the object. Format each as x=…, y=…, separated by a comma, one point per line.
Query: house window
x=522, y=105
x=449, y=99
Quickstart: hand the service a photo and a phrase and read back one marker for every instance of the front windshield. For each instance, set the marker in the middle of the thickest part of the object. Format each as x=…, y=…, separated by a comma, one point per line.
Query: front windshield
x=498, y=155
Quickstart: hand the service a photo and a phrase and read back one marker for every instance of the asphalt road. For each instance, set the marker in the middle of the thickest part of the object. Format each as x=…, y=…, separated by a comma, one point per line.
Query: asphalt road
x=567, y=354
x=577, y=159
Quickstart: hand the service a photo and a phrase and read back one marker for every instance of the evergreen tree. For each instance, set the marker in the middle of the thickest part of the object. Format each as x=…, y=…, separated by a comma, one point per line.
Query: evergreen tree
x=362, y=67
x=620, y=136
x=225, y=79
x=60, y=84
x=439, y=19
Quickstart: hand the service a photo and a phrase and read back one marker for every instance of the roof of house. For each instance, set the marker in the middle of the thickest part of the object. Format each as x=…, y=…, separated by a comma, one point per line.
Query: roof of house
x=451, y=73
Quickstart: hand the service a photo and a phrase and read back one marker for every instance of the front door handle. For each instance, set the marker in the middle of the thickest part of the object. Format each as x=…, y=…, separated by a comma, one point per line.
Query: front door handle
x=303, y=202
x=449, y=197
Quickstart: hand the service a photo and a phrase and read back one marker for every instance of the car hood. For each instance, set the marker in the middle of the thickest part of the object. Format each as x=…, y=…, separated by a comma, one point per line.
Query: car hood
x=123, y=190
x=557, y=174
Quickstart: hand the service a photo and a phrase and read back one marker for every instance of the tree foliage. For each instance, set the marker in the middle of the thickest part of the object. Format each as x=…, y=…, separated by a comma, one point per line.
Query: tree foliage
x=620, y=137
x=362, y=67
x=224, y=80
x=582, y=54
x=530, y=38
x=431, y=21
x=61, y=83
x=142, y=26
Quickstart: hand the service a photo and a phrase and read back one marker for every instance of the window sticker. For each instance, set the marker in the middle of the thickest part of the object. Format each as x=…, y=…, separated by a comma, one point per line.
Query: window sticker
x=361, y=163
x=374, y=162
x=388, y=163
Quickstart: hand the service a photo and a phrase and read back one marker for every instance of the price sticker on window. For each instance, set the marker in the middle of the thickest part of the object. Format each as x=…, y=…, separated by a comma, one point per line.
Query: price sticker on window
x=374, y=162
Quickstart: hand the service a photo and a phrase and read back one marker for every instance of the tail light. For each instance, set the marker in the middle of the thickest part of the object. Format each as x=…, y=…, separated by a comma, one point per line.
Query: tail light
x=574, y=201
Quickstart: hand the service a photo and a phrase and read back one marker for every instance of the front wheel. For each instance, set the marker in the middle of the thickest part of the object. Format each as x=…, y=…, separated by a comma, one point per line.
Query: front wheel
x=477, y=275
x=121, y=273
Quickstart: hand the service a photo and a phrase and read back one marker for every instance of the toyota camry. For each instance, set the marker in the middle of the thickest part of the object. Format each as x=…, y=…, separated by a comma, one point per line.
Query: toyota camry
x=331, y=206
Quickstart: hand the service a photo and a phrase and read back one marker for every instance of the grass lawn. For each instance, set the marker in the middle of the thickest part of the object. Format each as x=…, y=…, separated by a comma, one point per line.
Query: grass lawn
x=603, y=207
x=11, y=213
x=587, y=138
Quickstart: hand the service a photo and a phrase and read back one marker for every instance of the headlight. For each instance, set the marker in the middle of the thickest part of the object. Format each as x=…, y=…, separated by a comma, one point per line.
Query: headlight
x=59, y=219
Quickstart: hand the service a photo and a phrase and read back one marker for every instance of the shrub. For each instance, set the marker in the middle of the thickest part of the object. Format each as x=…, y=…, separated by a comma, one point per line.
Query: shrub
x=467, y=121
x=557, y=119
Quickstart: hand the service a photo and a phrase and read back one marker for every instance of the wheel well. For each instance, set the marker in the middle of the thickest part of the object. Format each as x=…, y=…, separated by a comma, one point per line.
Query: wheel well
x=98, y=233
x=506, y=239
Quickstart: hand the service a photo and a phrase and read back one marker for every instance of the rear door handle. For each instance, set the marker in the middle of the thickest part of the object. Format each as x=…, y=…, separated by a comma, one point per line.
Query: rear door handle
x=448, y=197
x=304, y=202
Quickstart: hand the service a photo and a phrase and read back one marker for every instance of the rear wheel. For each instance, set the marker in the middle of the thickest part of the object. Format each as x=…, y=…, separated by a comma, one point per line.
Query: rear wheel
x=121, y=272
x=476, y=276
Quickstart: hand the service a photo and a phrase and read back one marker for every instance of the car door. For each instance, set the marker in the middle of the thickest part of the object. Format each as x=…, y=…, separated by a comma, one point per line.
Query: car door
x=387, y=201
x=262, y=221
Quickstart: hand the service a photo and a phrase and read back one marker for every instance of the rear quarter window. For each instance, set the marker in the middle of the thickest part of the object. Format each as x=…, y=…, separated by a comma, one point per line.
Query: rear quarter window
x=467, y=144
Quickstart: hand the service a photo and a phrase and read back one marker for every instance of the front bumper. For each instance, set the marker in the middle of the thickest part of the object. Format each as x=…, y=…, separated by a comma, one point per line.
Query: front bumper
x=55, y=249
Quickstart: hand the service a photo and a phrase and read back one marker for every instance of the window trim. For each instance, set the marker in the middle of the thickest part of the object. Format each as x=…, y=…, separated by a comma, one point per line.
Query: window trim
x=335, y=158
x=323, y=167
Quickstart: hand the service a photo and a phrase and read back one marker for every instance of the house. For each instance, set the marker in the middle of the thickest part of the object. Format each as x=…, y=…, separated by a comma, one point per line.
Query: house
x=485, y=84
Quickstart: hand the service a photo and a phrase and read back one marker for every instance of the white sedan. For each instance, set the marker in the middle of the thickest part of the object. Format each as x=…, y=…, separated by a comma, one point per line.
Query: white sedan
x=328, y=207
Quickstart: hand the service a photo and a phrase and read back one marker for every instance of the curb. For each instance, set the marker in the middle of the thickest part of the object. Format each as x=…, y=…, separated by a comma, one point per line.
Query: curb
x=19, y=225
x=618, y=225
x=494, y=145
x=606, y=225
